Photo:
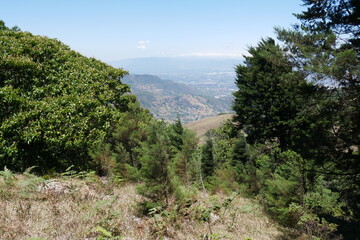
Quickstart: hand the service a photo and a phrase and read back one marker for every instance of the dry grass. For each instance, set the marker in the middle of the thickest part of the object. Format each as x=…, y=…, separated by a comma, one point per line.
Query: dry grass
x=241, y=219
x=200, y=127
x=70, y=208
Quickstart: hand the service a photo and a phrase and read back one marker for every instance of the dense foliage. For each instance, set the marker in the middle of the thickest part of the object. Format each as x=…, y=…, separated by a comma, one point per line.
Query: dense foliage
x=304, y=98
x=55, y=104
x=270, y=95
x=326, y=48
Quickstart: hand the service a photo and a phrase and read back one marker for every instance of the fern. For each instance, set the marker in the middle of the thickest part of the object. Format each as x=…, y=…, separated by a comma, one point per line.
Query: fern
x=103, y=232
x=28, y=173
x=68, y=172
x=8, y=177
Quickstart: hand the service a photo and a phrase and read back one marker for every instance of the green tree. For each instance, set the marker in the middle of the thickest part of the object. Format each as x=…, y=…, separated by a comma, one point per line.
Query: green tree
x=131, y=131
x=326, y=49
x=183, y=163
x=207, y=158
x=155, y=159
x=240, y=154
x=239, y=151
x=55, y=104
x=341, y=17
x=124, y=142
x=177, y=136
x=4, y=27
x=269, y=96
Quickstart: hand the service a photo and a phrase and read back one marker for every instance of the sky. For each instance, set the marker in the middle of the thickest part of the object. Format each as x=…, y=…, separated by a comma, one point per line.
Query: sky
x=112, y=30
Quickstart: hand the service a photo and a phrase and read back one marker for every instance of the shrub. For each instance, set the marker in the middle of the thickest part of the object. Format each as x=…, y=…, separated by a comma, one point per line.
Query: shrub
x=55, y=104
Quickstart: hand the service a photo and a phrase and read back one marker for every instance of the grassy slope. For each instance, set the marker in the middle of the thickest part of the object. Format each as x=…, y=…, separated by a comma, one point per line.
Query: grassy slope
x=93, y=208
x=200, y=127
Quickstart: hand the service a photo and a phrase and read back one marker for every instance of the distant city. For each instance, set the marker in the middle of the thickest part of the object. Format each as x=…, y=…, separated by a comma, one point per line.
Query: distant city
x=193, y=87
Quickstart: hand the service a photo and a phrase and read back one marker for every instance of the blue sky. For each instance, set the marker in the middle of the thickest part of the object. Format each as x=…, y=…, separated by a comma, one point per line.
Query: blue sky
x=118, y=29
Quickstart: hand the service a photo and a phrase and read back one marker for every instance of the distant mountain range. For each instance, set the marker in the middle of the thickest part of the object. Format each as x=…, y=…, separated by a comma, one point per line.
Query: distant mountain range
x=213, y=74
x=166, y=99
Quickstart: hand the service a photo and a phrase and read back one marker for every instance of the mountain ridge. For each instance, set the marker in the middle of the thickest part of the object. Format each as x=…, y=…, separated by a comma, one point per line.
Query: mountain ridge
x=169, y=99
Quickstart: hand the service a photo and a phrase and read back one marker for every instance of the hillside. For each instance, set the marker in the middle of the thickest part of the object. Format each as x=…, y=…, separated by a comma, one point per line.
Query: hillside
x=83, y=154
x=200, y=127
x=166, y=99
x=214, y=76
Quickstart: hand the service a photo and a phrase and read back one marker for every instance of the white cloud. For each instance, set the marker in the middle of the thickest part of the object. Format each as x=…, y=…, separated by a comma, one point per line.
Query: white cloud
x=142, y=44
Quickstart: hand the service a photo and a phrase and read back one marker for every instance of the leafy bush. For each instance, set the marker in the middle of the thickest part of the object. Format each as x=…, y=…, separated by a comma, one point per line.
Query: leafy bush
x=55, y=104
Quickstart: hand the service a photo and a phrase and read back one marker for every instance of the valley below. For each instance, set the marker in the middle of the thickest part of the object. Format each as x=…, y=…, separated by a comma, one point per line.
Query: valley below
x=169, y=100
x=190, y=88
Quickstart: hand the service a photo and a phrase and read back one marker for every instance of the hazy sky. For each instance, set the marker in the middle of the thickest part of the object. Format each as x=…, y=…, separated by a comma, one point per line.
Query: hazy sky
x=118, y=29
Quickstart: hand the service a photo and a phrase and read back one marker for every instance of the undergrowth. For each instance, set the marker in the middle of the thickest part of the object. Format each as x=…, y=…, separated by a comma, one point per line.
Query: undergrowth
x=98, y=208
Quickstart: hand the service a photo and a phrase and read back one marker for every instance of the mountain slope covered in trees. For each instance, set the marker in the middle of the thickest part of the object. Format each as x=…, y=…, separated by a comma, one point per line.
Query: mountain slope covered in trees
x=293, y=145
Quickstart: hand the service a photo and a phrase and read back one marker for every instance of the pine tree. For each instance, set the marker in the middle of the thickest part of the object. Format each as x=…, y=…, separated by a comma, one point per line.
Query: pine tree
x=341, y=17
x=207, y=159
x=269, y=96
x=177, y=135
x=183, y=159
x=239, y=154
x=326, y=49
x=156, y=154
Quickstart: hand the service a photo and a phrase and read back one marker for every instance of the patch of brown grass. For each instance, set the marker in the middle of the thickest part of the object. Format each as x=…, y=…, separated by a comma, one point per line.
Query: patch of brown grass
x=71, y=208
x=209, y=218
